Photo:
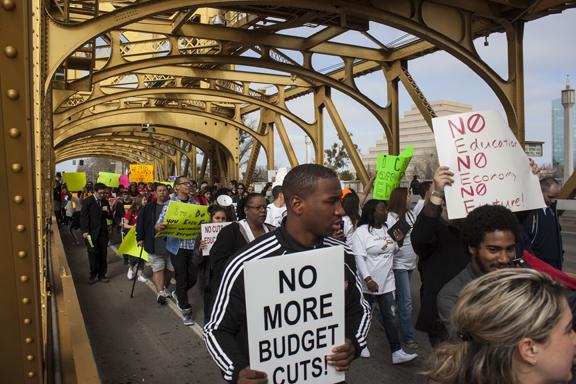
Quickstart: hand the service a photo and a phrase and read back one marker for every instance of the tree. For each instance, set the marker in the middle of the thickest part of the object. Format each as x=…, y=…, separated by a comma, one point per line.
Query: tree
x=346, y=175
x=93, y=165
x=336, y=156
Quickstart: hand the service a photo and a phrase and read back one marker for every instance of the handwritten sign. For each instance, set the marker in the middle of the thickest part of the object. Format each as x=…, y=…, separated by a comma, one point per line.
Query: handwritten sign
x=129, y=245
x=183, y=220
x=389, y=171
x=141, y=173
x=75, y=181
x=489, y=165
x=209, y=234
x=166, y=183
x=109, y=179
x=295, y=315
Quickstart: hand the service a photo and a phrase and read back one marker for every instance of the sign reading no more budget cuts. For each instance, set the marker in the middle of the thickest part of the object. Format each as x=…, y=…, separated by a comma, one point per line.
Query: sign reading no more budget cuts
x=295, y=315
x=183, y=220
x=489, y=165
x=209, y=234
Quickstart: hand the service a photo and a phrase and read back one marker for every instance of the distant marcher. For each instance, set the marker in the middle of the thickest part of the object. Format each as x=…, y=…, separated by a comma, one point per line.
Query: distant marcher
x=276, y=210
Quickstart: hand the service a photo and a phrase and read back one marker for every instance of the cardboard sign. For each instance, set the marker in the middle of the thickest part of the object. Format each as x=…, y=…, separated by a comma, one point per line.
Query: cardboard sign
x=109, y=179
x=489, y=165
x=130, y=246
x=184, y=220
x=389, y=171
x=295, y=315
x=141, y=173
x=209, y=234
x=75, y=181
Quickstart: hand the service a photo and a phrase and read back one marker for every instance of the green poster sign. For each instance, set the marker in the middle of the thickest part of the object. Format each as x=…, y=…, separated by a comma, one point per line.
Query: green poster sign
x=389, y=171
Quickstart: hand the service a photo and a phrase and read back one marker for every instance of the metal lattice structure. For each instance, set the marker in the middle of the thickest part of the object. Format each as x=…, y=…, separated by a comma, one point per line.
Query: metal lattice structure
x=159, y=81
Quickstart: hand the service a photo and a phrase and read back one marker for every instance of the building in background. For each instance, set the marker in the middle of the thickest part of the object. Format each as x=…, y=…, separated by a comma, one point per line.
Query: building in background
x=415, y=131
x=558, y=132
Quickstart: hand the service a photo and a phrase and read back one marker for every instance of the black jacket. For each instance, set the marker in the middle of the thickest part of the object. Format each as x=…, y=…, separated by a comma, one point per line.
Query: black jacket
x=145, y=225
x=226, y=333
x=442, y=256
x=93, y=219
x=542, y=231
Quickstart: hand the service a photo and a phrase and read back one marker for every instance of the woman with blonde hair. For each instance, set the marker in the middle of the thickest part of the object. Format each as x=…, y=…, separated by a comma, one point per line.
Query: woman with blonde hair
x=514, y=326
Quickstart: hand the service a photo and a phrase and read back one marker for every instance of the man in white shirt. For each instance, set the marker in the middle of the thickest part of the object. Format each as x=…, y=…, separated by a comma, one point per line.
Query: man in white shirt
x=277, y=208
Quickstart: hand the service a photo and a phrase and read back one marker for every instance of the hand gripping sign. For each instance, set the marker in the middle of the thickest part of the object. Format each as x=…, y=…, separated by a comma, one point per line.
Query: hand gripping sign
x=209, y=234
x=295, y=315
x=489, y=165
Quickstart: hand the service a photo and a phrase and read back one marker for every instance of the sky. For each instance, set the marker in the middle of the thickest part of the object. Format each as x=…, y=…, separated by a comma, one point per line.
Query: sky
x=549, y=56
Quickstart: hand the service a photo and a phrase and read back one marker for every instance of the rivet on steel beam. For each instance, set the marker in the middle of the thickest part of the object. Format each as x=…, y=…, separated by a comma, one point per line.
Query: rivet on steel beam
x=25, y=300
x=27, y=321
x=31, y=374
x=16, y=167
x=30, y=357
x=8, y=5
x=28, y=340
x=10, y=51
x=22, y=254
x=12, y=94
x=24, y=279
x=18, y=199
x=20, y=228
x=14, y=133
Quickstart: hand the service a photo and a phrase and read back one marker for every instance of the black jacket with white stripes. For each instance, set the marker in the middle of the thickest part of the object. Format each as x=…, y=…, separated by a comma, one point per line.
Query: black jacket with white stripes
x=225, y=334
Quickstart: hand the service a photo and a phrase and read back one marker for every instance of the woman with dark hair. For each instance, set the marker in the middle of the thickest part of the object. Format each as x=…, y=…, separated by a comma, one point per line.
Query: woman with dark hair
x=236, y=235
x=404, y=263
x=374, y=250
x=351, y=206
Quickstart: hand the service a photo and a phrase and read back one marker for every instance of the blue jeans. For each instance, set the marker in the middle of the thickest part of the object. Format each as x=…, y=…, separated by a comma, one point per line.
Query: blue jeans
x=404, y=300
x=386, y=304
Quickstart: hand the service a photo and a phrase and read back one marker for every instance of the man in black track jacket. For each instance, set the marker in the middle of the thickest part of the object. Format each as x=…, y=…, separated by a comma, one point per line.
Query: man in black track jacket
x=312, y=193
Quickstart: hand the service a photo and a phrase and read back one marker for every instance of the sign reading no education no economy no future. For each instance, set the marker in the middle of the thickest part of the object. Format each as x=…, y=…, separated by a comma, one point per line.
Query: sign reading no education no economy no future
x=295, y=315
x=489, y=165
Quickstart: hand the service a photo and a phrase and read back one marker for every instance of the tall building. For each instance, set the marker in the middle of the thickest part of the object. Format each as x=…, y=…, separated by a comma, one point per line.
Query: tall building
x=558, y=132
x=415, y=131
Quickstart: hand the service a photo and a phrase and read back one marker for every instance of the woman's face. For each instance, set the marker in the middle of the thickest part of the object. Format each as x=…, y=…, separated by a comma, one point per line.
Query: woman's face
x=380, y=214
x=219, y=217
x=256, y=210
x=554, y=363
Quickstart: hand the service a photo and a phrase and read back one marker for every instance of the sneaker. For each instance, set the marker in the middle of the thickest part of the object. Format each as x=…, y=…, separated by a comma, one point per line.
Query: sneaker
x=161, y=298
x=411, y=344
x=104, y=279
x=130, y=274
x=92, y=280
x=400, y=357
x=365, y=353
x=187, y=317
x=175, y=298
x=142, y=279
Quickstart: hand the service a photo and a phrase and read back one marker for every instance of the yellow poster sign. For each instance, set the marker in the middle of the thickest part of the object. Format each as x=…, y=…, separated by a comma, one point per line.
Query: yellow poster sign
x=109, y=179
x=141, y=173
x=75, y=181
x=130, y=246
x=167, y=183
x=184, y=220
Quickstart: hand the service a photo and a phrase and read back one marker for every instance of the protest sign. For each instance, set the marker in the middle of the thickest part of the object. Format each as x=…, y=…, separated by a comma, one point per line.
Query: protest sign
x=295, y=315
x=489, y=165
x=209, y=234
x=75, y=181
x=111, y=180
x=279, y=176
x=124, y=181
x=141, y=173
x=389, y=171
x=166, y=183
x=129, y=245
x=183, y=220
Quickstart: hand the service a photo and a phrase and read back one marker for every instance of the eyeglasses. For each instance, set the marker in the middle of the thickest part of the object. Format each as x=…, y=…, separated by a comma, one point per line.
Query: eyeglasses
x=257, y=207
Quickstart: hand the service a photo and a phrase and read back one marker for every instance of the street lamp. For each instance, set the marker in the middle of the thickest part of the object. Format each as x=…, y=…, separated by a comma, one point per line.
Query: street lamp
x=568, y=99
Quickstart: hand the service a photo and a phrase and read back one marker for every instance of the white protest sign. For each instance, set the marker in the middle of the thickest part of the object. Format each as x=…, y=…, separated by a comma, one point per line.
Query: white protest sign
x=209, y=234
x=295, y=315
x=489, y=165
x=279, y=177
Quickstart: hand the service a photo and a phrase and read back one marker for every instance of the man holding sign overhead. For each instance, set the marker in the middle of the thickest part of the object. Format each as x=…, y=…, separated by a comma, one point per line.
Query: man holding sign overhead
x=314, y=211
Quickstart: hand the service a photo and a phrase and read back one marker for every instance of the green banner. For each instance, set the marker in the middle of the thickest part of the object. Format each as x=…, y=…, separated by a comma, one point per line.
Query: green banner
x=184, y=220
x=111, y=180
x=75, y=181
x=130, y=246
x=389, y=171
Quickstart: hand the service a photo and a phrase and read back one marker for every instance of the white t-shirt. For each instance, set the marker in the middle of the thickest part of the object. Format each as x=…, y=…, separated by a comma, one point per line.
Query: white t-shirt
x=348, y=230
x=275, y=214
x=374, y=250
x=406, y=258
